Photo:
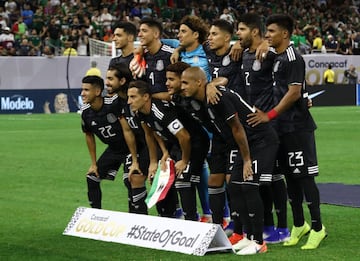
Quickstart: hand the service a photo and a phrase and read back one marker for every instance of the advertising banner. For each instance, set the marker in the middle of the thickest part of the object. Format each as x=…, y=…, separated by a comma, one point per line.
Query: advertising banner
x=333, y=94
x=188, y=237
x=316, y=64
x=39, y=101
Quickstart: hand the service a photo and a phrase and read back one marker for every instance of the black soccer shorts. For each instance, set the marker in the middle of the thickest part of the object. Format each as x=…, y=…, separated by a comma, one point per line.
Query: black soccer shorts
x=297, y=154
x=143, y=159
x=109, y=163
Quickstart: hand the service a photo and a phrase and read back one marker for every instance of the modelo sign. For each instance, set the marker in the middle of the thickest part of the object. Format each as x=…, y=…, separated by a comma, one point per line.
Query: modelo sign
x=16, y=103
x=39, y=101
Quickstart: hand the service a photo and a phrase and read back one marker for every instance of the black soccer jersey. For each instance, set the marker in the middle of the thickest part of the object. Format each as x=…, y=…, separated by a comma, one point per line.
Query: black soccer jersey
x=289, y=69
x=166, y=120
x=258, y=80
x=121, y=59
x=195, y=108
x=105, y=122
x=156, y=68
x=232, y=105
x=134, y=124
x=224, y=66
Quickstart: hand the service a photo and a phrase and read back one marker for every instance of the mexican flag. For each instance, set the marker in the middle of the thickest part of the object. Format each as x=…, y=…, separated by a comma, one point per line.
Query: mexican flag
x=162, y=182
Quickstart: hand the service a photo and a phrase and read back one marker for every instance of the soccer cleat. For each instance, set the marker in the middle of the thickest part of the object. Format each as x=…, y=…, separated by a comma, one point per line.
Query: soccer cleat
x=314, y=239
x=297, y=233
x=278, y=235
x=268, y=230
x=206, y=218
x=228, y=227
x=235, y=237
x=179, y=213
x=242, y=244
x=253, y=248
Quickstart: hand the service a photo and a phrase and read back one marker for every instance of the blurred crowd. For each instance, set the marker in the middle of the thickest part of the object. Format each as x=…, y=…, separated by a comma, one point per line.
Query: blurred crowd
x=54, y=27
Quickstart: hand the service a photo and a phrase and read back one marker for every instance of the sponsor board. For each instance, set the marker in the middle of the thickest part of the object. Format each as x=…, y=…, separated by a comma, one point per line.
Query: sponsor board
x=333, y=95
x=316, y=64
x=39, y=101
x=188, y=237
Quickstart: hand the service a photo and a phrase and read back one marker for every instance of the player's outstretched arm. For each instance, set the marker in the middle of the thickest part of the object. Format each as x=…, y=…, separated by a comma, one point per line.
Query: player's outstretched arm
x=262, y=51
x=90, y=142
x=242, y=142
x=236, y=51
x=152, y=147
x=184, y=139
x=131, y=143
x=212, y=93
x=165, y=152
x=291, y=96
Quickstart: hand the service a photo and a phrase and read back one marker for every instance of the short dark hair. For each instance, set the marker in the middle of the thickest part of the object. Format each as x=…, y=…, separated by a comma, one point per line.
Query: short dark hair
x=285, y=21
x=177, y=68
x=95, y=81
x=152, y=23
x=143, y=87
x=128, y=28
x=224, y=26
x=251, y=20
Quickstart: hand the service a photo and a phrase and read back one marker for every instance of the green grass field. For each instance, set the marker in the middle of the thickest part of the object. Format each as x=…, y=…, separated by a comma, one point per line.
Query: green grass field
x=43, y=163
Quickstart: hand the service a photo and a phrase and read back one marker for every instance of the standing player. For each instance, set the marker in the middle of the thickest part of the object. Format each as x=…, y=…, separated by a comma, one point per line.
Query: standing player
x=124, y=37
x=297, y=151
x=227, y=117
x=186, y=141
x=192, y=34
x=157, y=57
x=258, y=87
x=100, y=117
x=117, y=81
x=218, y=54
x=221, y=65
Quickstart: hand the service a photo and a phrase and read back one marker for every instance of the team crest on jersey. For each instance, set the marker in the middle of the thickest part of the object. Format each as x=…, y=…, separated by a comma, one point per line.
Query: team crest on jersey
x=111, y=118
x=226, y=60
x=196, y=59
x=256, y=65
x=195, y=105
x=276, y=66
x=160, y=65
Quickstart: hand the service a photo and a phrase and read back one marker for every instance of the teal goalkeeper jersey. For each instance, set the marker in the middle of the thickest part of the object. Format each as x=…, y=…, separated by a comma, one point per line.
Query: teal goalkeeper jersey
x=193, y=58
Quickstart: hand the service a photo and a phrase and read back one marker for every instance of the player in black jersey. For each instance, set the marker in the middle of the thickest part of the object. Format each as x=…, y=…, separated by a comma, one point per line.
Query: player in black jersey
x=101, y=117
x=228, y=117
x=185, y=140
x=124, y=37
x=156, y=55
x=218, y=53
x=173, y=84
x=118, y=77
x=221, y=64
x=258, y=87
x=296, y=131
